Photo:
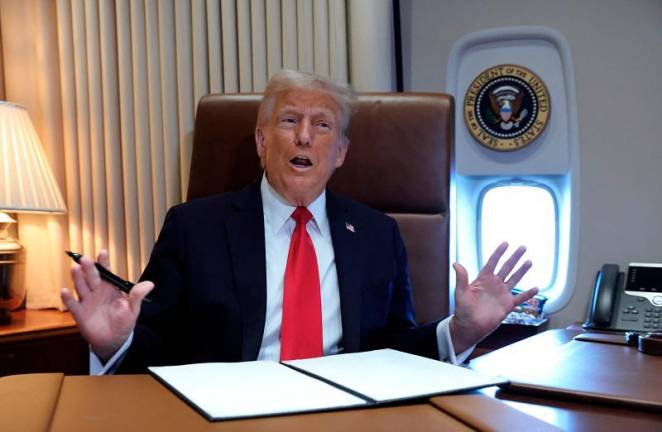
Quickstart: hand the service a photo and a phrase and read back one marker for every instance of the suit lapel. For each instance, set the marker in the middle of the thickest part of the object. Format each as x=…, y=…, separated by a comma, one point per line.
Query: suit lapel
x=345, y=236
x=245, y=230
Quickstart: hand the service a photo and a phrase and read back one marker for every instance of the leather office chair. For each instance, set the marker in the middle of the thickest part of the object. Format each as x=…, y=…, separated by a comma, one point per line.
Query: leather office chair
x=399, y=162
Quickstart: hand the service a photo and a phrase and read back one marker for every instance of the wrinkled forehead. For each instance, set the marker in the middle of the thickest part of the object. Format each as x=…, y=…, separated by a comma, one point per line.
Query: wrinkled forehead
x=308, y=101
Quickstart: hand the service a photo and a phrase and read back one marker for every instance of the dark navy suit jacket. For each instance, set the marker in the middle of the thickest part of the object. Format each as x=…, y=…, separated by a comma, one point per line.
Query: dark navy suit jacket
x=209, y=271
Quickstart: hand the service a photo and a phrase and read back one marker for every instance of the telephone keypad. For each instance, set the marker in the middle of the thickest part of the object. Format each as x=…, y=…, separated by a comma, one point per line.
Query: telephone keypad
x=653, y=318
x=632, y=307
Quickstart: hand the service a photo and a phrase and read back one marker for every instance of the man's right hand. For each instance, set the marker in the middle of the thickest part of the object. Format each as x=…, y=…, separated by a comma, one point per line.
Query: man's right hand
x=105, y=315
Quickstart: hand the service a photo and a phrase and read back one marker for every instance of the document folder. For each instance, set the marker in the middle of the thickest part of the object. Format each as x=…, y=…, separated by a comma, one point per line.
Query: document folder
x=221, y=391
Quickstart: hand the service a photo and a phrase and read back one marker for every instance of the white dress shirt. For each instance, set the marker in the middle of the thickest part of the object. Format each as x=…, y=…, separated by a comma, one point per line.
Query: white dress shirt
x=278, y=229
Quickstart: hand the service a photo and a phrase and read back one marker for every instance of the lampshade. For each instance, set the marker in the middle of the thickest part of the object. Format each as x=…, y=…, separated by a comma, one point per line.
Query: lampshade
x=26, y=181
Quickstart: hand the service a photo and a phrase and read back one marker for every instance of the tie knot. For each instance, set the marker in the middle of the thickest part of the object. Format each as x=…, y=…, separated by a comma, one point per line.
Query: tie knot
x=301, y=216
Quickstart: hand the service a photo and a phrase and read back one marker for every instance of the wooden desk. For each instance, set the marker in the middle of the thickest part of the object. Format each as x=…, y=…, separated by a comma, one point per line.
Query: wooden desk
x=42, y=341
x=577, y=416
x=568, y=414
x=139, y=403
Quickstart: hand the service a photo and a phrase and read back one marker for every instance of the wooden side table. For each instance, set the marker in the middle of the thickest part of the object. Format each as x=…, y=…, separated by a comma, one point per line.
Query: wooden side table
x=42, y=341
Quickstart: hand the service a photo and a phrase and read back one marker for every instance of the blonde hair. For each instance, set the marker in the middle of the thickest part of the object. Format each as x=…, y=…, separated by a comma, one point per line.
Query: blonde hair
x=286, y=80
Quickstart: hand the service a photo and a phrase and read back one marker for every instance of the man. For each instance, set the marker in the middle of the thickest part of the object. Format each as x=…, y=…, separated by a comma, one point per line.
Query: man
x=261, y=274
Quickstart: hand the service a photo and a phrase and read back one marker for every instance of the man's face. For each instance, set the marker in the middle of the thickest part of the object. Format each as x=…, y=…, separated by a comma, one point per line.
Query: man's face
x=301, y=144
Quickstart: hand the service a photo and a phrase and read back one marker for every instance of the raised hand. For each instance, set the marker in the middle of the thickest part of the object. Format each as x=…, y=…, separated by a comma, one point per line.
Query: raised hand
x=105, y=315
x=481, y=305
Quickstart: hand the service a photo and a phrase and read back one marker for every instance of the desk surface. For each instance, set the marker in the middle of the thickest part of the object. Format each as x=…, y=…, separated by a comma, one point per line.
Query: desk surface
x=577, y=416
x=149, y=406
x=568, y=414
x=138, y=402
x=38, y=402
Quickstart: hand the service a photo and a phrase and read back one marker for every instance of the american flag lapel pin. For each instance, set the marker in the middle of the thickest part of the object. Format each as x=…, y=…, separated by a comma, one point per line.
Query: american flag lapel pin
x=349, y=227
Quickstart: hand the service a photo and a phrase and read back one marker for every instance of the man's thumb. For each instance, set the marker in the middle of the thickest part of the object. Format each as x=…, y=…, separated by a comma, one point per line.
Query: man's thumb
x=139, y=292
x=461, y=276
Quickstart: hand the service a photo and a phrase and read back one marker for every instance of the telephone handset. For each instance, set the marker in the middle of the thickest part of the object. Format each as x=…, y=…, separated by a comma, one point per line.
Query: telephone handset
x=623, y=304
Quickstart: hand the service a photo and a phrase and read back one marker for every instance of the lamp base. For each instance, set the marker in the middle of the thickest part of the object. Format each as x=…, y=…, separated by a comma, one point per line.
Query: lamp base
x=12, y=269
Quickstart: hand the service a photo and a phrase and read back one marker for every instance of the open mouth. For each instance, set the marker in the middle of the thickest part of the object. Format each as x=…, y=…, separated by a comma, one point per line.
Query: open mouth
x=301, y=162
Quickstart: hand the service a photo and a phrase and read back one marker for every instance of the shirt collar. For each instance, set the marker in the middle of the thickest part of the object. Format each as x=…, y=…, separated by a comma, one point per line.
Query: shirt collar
x=277, y=210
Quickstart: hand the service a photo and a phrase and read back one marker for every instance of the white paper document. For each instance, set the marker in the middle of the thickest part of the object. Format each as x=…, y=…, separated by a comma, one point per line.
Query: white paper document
x=248, y=389
x=387, y=375
x=261, y=388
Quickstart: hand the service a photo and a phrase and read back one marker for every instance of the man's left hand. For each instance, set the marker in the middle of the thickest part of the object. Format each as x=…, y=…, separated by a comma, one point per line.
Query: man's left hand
x=481, y=305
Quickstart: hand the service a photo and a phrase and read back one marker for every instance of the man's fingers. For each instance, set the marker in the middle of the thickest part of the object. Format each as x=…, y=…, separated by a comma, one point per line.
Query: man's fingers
x=510, y=264
x=103, y=258
x=525, y=296
x=518, y=275
x=70, y=302
x=80, y=283
x=492, y=262
x=461, y=276
x=138, y=293
x=90, y=272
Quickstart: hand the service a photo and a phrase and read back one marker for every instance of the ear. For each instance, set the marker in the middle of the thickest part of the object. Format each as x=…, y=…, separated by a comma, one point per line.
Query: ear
x=260, y=144
x=342, y=152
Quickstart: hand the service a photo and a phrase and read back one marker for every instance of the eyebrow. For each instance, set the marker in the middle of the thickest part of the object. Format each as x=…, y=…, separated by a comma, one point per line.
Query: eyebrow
x=317, y=111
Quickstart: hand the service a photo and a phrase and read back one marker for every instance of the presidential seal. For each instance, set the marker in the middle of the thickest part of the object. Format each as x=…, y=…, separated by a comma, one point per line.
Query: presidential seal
x=506, y=107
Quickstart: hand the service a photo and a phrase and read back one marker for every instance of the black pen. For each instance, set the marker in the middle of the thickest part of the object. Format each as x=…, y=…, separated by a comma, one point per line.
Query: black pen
x=107, y=275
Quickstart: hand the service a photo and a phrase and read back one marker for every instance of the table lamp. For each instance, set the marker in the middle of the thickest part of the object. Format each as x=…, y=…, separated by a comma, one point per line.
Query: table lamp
x=26, y=185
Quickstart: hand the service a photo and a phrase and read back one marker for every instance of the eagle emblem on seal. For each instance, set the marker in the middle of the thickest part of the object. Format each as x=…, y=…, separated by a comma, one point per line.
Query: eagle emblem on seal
x=506, y=104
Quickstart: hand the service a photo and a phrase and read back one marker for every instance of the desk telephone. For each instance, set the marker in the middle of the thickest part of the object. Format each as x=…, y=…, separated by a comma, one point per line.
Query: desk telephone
x=632, y=304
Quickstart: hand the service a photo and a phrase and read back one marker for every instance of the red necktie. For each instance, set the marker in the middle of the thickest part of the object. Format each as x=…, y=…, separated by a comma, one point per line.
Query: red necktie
x=301, y=328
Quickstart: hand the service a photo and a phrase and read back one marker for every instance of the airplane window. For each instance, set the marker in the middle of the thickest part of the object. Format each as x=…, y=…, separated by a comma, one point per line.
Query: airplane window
x=521, y=215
